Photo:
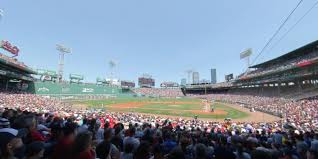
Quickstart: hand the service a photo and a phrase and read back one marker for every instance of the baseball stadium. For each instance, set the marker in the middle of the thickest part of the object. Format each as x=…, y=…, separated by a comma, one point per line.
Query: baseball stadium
x=268, y=110
x=280, y=91
x=290, y=76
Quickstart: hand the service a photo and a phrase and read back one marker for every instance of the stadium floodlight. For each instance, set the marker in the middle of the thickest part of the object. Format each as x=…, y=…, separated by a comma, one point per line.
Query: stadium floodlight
x=112, y=65
x=1, y=13
x=246, y=55
x=62, y=51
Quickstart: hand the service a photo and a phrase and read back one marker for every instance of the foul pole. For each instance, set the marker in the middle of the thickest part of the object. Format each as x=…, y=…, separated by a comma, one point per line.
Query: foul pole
x=62, y=51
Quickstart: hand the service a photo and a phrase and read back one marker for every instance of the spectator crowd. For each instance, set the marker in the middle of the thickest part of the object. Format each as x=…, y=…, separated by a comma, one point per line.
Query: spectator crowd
x=36, y=127
x=159, y=92
x=280, y=66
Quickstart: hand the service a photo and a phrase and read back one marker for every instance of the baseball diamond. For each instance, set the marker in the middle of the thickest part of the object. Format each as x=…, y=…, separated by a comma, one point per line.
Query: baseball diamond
x=165, y=79
x=175, y=108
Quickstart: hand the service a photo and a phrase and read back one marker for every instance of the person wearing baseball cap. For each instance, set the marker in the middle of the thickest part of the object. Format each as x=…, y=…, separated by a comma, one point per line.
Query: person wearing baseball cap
x=10, y=142
x=4, y=123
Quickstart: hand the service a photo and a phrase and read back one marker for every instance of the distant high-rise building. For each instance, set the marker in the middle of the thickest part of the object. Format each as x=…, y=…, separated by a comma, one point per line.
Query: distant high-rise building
x=213, y=75
x=183, y=82
x=195, y=77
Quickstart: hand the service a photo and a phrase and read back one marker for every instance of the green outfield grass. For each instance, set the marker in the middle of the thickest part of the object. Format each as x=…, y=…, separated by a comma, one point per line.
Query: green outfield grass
x=170, y=108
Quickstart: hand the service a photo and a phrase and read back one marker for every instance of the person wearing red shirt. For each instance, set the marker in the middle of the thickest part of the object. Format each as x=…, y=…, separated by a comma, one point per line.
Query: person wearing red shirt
x=31, y=124
x=63, y=148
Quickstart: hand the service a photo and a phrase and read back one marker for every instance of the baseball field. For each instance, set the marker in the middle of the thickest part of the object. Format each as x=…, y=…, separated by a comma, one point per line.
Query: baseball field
x=182, y=107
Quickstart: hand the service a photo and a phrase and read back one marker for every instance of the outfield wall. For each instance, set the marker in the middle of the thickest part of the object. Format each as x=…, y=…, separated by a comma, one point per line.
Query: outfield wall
x=73, y=89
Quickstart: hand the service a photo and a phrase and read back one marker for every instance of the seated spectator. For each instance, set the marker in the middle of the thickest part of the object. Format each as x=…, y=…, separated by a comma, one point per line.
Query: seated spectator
x=4, y=123
x=117, y=140
x=106, y=149
x=260, y=154
x=10, y=143
x=143, y=151
x=222, y=152
x=158, y=152
x=84, y=126
x=55, y=136
x=176, y=153
x=35, y=150
x=130, y=139
x=82, y=146
x=168, y=143
x=31, y=125
x=240, y=154
x=200, y=151
x=64, y=146
x=128, y=152
x=311, y=154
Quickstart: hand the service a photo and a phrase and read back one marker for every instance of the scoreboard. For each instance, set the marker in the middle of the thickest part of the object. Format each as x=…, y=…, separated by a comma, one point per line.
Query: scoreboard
x=128, y=84
x=146, y=82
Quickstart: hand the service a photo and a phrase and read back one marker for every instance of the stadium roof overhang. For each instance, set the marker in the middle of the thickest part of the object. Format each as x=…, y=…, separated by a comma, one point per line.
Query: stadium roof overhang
x=294, y=74
x=304, y=50
x=21, y=68
x=13, y=75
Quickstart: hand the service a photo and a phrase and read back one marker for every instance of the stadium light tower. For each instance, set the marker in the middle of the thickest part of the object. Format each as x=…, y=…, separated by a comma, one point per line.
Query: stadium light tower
x=246, y=55
x=62, y=51
x=112, y=64
x=1, y=14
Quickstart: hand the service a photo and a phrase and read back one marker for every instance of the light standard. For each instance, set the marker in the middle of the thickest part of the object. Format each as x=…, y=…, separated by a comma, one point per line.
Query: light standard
x=112, y=64
x=63, y=50
x=1, y=14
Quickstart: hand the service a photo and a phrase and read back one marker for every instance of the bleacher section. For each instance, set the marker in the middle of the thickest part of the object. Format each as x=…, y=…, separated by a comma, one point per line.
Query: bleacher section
x=292, y=75
x=159, y=92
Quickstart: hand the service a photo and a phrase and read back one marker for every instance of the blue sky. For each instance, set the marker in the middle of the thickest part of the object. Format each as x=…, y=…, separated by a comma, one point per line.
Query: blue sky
x=160, y=37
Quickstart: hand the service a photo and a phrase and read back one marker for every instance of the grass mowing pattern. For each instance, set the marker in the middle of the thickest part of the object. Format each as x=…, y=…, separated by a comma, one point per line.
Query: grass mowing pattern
x=231, y=112
x=174, y=106
x=132, y=99
x=161, y=108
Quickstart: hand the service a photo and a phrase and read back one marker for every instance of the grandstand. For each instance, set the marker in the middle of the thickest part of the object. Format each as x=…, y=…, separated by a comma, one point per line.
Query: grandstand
x=17, y=77
x=14, y=75
x=169, y=84
x=292, y=75
x=159, y=92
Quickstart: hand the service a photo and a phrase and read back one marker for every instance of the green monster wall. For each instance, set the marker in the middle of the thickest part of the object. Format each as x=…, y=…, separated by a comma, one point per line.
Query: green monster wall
x=55, y=89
